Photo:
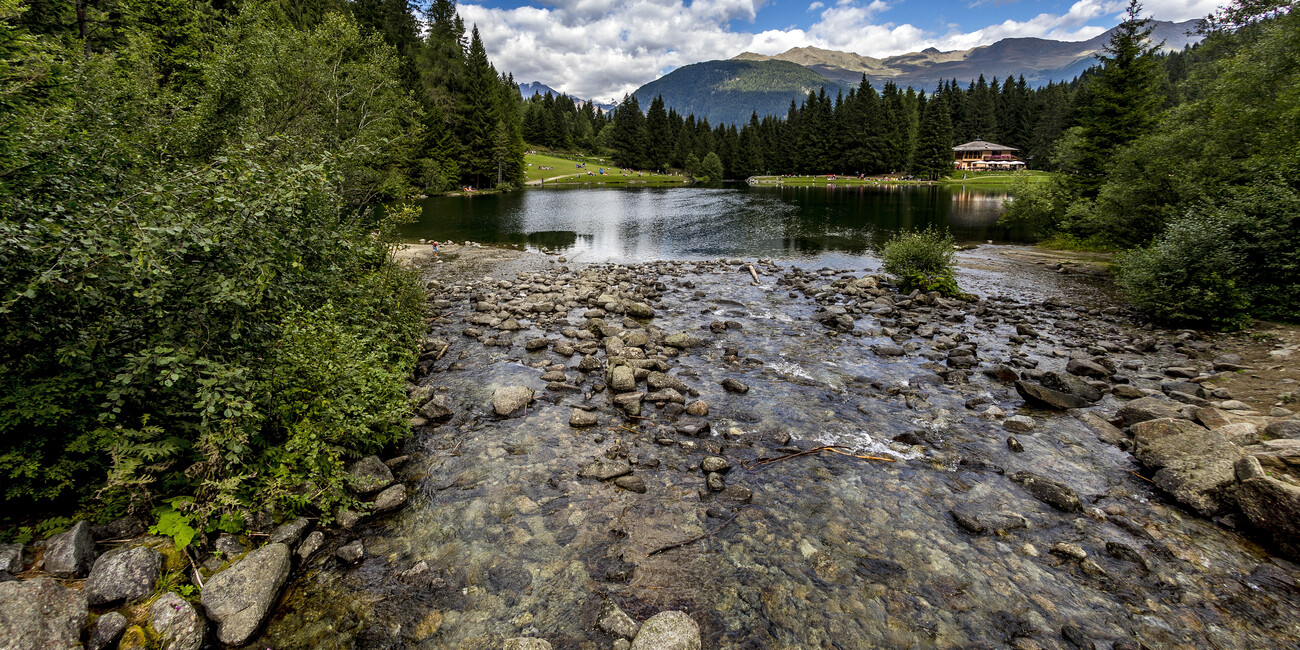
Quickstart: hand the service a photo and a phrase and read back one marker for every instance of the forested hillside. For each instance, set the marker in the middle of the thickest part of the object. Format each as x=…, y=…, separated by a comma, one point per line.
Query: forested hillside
x=197, y=300
x=726, y=92
x=1193, y=167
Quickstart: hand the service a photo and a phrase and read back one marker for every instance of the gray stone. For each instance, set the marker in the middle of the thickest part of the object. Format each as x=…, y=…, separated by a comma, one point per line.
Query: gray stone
x=666, y=395
x=681, y=341
x=605, y=469
x=108, y=629
x=659, y=381
x=1148, y=408
x=346, y=518
x=1044, y=397
x=715, y=482
x=1054, y=493
x=1240, y=433
x=1105, y=431
x=309, y=546
x=1127, y=391
x=1002, y=373
x=39, y=613
x=290, y=532
x=1019, y=423
x=638, y=309
x=1084, y=368
x=1283, y=429
x=391, y=499
x=615, y=621
x=369, y=475
x=581, y=418
x=1273, y=507
x=526, y=643
x=508, y=399
x=888, y=350
x=735, y=385
x=1072, y=551
x=228, y=546
x=622, y=379
x=437, y=408
x=631, y=483
x=70, y=554
x=177, y=624
x=1070, y=385
x=698, y=408
x=968, y=522
x=668, y=631
x=239, y=598
x=1193, y=464
x=11, y=558
x=715, y=464
x=124, y=573
x=352, y=552
x=1014, y=444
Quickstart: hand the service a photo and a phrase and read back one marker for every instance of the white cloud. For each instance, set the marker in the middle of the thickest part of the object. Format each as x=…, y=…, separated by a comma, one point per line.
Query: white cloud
x=602, y=49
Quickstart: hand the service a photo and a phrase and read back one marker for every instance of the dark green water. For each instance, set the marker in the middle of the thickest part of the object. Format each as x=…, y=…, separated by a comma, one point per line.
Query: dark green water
x=627, y=224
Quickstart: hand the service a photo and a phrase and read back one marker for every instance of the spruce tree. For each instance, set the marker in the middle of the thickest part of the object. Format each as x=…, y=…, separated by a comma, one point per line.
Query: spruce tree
x=1122, y=101
x=934, y=158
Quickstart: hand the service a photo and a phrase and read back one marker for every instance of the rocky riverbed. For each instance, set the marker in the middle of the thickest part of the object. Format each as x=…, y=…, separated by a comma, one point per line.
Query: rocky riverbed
x=746, y=454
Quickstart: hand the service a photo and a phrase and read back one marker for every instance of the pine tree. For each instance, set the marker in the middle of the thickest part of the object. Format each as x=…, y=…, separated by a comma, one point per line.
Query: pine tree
x=658, y=134
x=1122, y=101
x=629, y=136
x=933, y=159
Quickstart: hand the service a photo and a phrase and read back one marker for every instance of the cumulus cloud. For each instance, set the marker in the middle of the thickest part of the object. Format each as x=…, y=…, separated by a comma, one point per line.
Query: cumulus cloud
x=602, y=49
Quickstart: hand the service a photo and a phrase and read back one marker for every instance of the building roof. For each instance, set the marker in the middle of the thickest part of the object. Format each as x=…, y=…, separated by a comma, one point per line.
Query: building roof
x=980, y=145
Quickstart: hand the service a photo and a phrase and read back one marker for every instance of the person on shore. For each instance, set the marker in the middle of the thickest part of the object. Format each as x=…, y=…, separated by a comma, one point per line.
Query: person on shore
x=435, y=251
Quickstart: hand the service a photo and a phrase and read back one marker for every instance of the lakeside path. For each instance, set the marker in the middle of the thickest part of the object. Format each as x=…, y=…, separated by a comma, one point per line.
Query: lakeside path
x=606, y=440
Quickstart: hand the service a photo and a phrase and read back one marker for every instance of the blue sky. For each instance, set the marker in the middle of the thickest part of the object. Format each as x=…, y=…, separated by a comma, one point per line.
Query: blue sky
x=602, y=49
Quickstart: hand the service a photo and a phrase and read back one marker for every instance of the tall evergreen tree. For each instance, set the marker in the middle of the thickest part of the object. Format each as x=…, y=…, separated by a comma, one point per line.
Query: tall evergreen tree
x=659, y=146
x=933, y=159
x=628, y=138
x=1122, y=101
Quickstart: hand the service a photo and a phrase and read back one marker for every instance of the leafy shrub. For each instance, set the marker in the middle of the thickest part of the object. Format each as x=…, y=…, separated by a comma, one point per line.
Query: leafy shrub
x=922, y=259
x=1038, y=206
x=1186, y=276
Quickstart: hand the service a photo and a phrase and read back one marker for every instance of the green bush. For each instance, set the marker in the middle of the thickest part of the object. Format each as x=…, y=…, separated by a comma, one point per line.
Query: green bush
x=1186, y=276
x=922, y=259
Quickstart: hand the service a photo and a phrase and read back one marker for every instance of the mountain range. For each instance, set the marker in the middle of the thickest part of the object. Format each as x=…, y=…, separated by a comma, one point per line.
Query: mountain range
x=728, y=91
x=539, y=88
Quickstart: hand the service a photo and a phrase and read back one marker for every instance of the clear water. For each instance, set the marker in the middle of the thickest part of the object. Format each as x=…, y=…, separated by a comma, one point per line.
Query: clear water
x=833, y=224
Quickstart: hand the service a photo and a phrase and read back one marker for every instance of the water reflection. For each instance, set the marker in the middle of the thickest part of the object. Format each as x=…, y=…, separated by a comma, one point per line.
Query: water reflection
x=701, y=223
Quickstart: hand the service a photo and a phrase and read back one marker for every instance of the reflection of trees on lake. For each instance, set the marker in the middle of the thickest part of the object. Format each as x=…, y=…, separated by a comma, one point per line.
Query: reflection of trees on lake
x=695, y=223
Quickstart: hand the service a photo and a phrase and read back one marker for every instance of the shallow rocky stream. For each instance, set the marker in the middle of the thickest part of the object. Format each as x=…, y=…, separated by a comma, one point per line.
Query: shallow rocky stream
x=510, y=531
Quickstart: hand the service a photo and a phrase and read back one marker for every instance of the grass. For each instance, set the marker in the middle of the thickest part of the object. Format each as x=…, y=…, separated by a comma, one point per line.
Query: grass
x=565, y=172
x=1066, y=242
x=981, y=179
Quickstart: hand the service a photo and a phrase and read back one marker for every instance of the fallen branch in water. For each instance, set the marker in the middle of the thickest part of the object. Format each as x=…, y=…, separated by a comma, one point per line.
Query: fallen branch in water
x=697, y=537
x=834, y=449
x=442, y=352
x=753, y=273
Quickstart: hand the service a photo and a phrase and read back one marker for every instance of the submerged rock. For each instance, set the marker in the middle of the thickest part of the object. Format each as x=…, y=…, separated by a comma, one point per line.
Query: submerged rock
x=1054, y=493
x=1044, y=397
x=508, y=399
x=239, y=598
x=668, y=631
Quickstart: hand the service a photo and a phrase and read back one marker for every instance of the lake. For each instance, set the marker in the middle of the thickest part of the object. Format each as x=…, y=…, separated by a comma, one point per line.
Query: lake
x=634, y=224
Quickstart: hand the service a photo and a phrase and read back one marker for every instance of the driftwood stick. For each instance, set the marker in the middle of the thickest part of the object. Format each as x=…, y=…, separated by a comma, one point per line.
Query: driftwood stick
x=696, y=538
x=442, y=352
x=753, y=273
x=834, y=449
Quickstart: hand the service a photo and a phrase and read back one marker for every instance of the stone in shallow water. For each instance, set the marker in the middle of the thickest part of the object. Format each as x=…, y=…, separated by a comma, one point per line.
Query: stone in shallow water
x=668, y=631
x=370, y=475
x=1053, y=493
x=615, y=621
x=581, y=418
x=526, y=643
x=605, y=469
x=508, y=399
x=391, y=499
x=735, y=385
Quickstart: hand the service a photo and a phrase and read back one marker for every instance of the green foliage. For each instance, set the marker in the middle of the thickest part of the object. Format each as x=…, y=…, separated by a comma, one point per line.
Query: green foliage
x=174, y=523
x=193, y=299
x=1037, y=205
x=710, y=169
x=934, y=156
x=1186, y=275
x=922, y=259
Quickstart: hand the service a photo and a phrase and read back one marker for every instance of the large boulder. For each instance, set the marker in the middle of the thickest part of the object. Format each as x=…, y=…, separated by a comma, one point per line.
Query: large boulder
x=239, y=598
x=668, y=631
x=39, y=614
x=1273, y=507
x=1193, y=464
x=1070, y=385
x=1149, y=408
x=369, y=475
x=176, y=623
x=11, y=558
x=70, y=554
x=508, y=399
x=124, y=573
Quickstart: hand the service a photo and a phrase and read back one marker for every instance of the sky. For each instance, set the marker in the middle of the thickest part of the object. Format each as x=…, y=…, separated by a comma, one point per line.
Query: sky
x=602, y=49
